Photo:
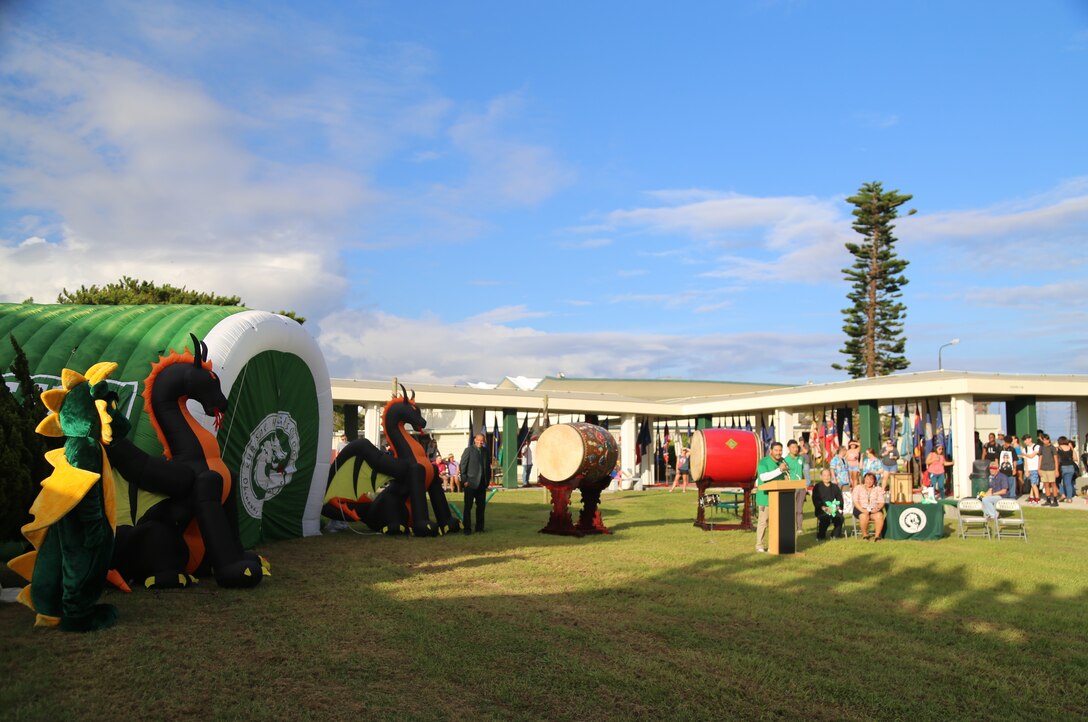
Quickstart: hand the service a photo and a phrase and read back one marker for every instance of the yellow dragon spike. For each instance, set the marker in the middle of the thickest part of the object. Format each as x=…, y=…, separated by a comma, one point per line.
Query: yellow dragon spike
x=53, y=398
x=50, y=426
x=100, y=371
x=106, y=419
x=69, y=379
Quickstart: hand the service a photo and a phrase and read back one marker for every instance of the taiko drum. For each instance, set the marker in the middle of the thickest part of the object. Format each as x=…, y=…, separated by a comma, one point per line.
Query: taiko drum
x=725, y=456
x=574, y=452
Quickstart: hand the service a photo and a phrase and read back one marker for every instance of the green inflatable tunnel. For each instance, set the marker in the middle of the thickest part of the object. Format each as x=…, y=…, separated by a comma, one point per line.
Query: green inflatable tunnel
x=271, y=371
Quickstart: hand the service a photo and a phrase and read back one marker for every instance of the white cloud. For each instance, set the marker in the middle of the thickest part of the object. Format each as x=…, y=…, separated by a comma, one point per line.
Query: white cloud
x=1043, y=233
x=506, y=314
x=597, y=242
x=1061, y=211
x=375, y=345
x=789, y=238
x=149, y=180
x=123, y=164
x=516, y=172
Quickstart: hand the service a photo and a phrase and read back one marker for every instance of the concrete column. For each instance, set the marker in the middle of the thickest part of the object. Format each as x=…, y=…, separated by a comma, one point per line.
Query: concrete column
x=647, y=470
x=1082, y=425
x=963, y=444
x=1021, y=416
x=784, y=421
x=869, y=423
x=628, y=440
x=372, y=431
x=510, y=448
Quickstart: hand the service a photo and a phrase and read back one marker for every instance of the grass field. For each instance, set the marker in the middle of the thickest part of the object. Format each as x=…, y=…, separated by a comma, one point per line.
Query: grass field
x=661, y=620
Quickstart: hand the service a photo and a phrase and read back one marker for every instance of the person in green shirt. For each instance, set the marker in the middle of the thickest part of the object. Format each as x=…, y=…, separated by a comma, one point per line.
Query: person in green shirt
x=797, y=471
x=770, y=468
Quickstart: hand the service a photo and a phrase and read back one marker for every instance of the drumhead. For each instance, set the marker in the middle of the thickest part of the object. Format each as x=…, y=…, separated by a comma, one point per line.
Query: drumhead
x=698, y=455
x=559, y=452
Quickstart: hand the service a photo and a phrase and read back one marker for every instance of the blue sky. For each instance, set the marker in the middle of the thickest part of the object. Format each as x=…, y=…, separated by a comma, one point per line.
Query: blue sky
x=461, y=191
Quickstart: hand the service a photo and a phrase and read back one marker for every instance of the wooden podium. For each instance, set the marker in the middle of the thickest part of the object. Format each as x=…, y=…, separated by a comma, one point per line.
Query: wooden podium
x=902, y=488
x=781, y=515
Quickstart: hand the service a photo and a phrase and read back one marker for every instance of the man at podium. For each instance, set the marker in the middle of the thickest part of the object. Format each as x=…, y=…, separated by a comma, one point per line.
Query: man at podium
x=770, y=468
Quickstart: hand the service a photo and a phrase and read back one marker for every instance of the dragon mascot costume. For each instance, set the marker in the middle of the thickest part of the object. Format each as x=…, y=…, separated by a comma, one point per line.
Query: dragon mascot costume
x=72, y=532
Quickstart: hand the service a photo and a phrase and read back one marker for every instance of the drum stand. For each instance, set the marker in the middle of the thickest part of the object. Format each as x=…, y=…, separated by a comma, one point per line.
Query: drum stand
x=559, y=522
x=589, y=521
x=745, y=523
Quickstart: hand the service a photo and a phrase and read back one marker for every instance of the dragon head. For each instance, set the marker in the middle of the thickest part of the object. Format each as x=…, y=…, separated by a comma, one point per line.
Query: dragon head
x=204, y=386
x=84, y=407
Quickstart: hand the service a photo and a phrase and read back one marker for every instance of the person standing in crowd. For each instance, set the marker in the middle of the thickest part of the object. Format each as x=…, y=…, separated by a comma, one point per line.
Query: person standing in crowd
x=683, y=470
x=989, y=451
x=1006, y=461
x=527, y=461
x=797, y=471
x=1018, y=487
x=935, y=465
x=889, y=460
x=1067, y=468
x=806, y=463
x=839, y=468
x=978, y=447
x=853, y=462
x=873, y=465
x=1048, y=469
x=827, y=501
x=476, y=476
x=770, y=468
x=1030, y=457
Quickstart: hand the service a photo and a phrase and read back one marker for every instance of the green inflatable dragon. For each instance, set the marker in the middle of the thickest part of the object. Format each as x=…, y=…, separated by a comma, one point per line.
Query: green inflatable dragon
x=73, y=527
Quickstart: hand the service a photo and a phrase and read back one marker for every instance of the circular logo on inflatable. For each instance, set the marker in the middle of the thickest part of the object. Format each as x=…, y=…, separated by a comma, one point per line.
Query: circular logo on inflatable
x=912, y=521
x=268, y=462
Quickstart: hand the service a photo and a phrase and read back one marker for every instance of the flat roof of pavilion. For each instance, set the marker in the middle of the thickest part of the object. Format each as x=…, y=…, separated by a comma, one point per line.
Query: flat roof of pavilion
x=684, y=398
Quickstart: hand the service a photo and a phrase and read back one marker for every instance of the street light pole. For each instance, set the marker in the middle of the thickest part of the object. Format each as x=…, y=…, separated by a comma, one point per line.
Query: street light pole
x=940, y=365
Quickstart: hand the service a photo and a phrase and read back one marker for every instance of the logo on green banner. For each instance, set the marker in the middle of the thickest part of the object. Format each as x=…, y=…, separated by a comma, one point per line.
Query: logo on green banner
x=269, y=461
x=912, y=521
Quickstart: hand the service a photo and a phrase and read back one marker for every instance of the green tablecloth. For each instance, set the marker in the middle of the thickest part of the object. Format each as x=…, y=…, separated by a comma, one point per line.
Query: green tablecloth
x=915, y=521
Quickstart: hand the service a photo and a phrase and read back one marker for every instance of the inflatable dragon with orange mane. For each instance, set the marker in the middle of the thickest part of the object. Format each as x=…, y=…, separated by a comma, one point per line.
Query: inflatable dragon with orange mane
x=194, y=530
x=401, y=507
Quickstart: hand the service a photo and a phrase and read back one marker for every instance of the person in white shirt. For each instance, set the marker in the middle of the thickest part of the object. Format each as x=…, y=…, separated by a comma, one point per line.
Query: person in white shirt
x=1030, y=454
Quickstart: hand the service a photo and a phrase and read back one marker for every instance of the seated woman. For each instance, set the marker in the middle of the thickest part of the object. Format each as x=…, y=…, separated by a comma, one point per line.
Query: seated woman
x=453, y=471
x=443, y=474
x=827, y=500
x=869, y=506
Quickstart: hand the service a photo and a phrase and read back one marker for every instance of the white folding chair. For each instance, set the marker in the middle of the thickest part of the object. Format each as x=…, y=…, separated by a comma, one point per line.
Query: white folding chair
x=1011, y=526
x=973, y=521
x=848, y=511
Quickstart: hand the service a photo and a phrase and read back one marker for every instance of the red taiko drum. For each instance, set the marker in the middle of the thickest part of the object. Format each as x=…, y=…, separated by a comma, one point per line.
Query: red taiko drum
x=725, y=456
x=575, y=452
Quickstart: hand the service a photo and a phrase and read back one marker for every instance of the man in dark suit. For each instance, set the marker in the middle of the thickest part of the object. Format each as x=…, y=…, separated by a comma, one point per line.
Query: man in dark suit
x=475, y=476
